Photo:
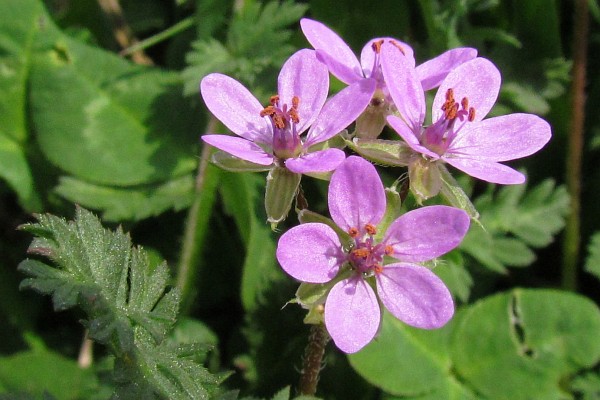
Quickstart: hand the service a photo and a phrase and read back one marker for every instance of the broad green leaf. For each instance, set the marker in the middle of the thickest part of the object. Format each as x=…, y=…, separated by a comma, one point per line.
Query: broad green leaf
x=592, y=262
x=403, y=360
x=129, y=203
x=117, y=124
x=586, y=386
x=523, y=344
x=35, y=371
x=15, y=169
x=451, y=269
x=128, y=305
x=243, y=199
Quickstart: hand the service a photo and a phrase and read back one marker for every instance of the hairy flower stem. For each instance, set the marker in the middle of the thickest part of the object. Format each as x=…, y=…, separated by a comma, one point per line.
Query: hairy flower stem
x=572, y=240
x=197, y=223
x=313, y=359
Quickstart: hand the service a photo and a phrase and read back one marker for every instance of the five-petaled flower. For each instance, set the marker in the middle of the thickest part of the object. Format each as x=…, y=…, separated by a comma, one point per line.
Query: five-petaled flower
x=459, y=135
x=273, y=135
x=345, y=66
x=313, y=252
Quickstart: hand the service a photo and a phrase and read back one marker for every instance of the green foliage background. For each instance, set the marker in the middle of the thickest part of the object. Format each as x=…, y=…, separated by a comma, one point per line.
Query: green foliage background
x=80, y=124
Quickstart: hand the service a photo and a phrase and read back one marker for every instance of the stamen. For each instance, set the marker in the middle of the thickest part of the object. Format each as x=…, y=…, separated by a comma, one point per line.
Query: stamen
x=294, y=115
x=274, y=99
x=353, y=232
x=389, y=250
x=376, y=46
x=295, y=102
x=465, y=103
x=378, y=268
x=278, y=120
x=361, y=253
x=371, y=229
x=471, y=117
x=398, y=46
x=269, y=110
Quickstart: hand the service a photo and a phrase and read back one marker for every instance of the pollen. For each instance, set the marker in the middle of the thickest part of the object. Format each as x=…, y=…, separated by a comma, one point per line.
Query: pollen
x=389, y=250
x=378, y=268
x=274, y=99
x=371, y=229
x=471, y=114
x=353, y=232
x=361, y=253
x=398, y=46
x=269, y=110
x=377, y=46
x=465, y=103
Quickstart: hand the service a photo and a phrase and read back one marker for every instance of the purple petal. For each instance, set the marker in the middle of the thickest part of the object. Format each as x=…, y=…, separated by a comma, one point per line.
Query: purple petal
x=427, y=232
x=235, y=107
x=409, y=137
x=404, y=86
x=340, y=59
x=415, y=295
x=352, y=314
x=368, y=55
x=487, y=170
x=319, y=161
x=241, y=148
x=340, y=111
x=310, y=252
x=502, y=138
x=431, y=73
x=478, y=80
x=304, y=76
x=356, y=195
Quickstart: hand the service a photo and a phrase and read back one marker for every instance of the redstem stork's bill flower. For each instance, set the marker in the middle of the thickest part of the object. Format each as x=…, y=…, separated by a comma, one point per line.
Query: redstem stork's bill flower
x=345, y=66
x=273, y=136
x=313, y=252
x=459, y=135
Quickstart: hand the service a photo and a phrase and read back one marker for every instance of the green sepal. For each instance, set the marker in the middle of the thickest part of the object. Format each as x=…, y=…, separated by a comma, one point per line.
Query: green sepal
x=282, y=186
x=393, y=210
x=392, y=153
x=231, y=163
x=425, y=179
x=454, y=194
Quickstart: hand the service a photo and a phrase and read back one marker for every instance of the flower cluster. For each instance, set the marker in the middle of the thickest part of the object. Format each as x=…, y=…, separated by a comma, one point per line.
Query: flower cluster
x=360, y=258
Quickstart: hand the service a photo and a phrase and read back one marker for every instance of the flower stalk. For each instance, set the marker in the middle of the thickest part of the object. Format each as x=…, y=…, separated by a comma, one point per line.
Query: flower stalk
x=313, y=359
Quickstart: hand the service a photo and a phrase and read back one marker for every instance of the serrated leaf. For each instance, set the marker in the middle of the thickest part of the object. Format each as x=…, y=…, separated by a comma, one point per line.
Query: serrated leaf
x=244, y=55
x=128, y=304
x=130, y=203
x=514, y=221
x=592, y=262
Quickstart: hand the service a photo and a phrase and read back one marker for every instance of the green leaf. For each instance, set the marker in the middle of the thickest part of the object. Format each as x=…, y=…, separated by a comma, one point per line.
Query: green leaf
x=127, y=124
x=129, y=203
x=244, y=54
x=35, y=371
x=129, y=307
x=15, y=169
x=592, y=262
x=523, y=344
x=242, y=196
x=513, y=221
x=404, y=360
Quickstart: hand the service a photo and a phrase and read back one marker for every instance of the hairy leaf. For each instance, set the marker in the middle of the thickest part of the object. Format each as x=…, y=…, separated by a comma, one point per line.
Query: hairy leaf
x=129, y=307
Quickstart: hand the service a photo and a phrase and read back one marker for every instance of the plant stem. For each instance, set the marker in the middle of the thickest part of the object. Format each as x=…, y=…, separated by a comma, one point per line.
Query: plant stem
x=197, y=223
x=313, y=359
x=572, y=240
x=122, y=31
x=159, y=37
x=86, y=352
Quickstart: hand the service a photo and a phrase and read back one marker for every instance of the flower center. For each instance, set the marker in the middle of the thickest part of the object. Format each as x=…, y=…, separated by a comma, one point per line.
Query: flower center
x=286, y=140
x=366, y=257
x=438, y=136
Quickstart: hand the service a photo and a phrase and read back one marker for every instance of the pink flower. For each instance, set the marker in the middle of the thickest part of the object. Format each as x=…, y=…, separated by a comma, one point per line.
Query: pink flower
x=312, y=252
x=459, y=135
x=273, y=135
